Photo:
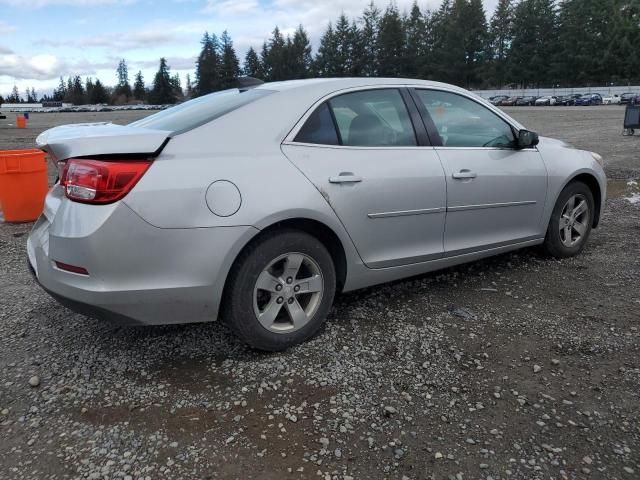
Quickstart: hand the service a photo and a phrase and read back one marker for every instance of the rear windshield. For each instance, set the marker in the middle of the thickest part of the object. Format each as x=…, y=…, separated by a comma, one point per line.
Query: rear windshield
x=201, y=110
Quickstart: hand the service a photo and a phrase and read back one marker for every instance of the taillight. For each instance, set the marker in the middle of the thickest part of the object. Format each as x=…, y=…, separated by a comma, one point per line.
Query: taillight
x=99, y=182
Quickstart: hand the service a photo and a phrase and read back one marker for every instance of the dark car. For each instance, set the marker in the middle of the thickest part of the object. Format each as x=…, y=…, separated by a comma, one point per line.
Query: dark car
x=498, y=99
x=589, y=99
x=567, y=100
x=626, y=98
x=509, y=102
x=526, y=101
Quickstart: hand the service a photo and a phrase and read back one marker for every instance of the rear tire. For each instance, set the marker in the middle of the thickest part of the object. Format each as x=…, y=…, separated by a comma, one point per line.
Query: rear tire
x=571, y=221
x=280, y=290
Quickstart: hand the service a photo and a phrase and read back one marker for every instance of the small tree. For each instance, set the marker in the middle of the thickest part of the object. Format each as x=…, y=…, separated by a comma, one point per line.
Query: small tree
x=188, y=87
x=15, y=96
x=252, y=65
x=99, y=93
x=123, y=88
x=139, y=92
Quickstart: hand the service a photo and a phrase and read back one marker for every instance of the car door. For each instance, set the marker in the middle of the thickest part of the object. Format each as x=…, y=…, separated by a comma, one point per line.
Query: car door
x=361, y=152
x=495, y=191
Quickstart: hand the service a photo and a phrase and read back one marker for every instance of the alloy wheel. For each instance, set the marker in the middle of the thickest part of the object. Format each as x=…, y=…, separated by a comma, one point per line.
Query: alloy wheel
x=288, y=292
x=574, y=220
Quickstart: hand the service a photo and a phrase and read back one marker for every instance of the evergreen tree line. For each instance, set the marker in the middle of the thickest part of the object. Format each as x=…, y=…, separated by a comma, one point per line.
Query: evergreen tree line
x=525, y=43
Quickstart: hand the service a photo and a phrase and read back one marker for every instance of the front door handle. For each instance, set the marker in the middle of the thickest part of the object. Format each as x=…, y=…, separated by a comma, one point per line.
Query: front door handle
x=345, y=177
x=464, y=174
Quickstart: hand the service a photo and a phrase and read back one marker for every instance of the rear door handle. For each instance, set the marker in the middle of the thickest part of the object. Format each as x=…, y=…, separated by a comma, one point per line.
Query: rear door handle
x=345, y=177
x=464, y=174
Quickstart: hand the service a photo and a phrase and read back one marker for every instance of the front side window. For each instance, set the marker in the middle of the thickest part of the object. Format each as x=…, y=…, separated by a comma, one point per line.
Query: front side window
x=461, y=122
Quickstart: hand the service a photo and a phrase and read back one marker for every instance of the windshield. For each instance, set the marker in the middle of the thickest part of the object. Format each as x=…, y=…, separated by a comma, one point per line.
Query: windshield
x=201, y=110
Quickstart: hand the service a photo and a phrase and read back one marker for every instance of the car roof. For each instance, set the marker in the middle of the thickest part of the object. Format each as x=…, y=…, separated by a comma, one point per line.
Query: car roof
x=333, y=84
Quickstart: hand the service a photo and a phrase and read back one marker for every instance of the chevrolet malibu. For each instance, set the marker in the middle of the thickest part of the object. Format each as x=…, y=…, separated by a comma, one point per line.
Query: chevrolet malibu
x=258, y=204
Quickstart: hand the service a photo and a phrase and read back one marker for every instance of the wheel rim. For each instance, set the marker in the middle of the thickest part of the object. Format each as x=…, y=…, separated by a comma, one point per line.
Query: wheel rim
x=574, y=220
x=288, y=292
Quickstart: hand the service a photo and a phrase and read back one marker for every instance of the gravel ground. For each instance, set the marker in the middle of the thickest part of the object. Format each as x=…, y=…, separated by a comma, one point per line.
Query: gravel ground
x=515, y=367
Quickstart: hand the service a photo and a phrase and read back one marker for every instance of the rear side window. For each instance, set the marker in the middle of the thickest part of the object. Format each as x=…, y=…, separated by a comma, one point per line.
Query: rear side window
x=319, y=128
x=373, y=118
x=201, y=110
x=369, y=118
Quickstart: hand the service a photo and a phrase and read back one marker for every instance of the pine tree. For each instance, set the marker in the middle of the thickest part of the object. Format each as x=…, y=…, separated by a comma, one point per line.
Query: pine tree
x=274, y=61
x=391, y=44
x=60, y=92
x=532, y=49
x=163, y=91
x=475, y=44
x=188, y=87
x=14, y=97
x=500, y=38
x=99, y=93
x=264, y=54
x=176, y=87
x=325, y=63
x=344, y=38
x=252, y=66
x=368, y=41
x=139, y=92
x=299, y=54
x=208, y=66
x=89, y=86
x=123, y=88
x=416, y=42
x=230, y=67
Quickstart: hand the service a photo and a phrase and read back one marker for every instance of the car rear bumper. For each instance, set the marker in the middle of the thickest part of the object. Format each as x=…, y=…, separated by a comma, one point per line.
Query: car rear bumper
x=138, y=274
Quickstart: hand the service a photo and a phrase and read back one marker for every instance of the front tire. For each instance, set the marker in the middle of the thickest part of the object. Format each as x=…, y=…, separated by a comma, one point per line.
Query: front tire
x=280, y=290
x=571, y=221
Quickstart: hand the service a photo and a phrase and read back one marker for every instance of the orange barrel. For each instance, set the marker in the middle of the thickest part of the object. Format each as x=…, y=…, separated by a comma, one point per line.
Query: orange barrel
x=23, y=184
x=21, y=121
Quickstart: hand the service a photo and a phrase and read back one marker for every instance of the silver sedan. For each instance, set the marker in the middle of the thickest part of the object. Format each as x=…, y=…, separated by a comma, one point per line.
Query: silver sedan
x=258, y=204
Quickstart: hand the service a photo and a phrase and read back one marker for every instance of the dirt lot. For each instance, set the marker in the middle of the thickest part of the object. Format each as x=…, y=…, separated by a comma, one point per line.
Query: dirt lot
x=514, y=367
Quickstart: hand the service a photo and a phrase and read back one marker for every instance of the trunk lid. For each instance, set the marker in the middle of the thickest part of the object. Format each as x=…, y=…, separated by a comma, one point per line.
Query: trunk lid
x=88, y=139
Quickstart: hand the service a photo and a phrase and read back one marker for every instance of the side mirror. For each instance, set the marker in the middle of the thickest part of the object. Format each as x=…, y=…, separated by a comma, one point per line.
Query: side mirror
x=527, y=139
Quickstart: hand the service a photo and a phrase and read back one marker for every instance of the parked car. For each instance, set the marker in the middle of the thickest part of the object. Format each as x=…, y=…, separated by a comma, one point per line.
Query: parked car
x=509, y=102
x=546, y=100
x=568, y=100
x=180, y=216
x=498, y=99
x=611, y=99
x=526, y=101
x=589, y=99
x=626, y=98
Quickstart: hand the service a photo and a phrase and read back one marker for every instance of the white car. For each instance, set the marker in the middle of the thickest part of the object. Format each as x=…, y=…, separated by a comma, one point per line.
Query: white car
x=547, y=100
x=611, y=100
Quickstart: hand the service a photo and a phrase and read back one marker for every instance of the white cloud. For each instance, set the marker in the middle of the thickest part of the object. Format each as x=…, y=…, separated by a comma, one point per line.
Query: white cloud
x=120, y=41
x=231, y=7
x=44, y=67
x=68, y=3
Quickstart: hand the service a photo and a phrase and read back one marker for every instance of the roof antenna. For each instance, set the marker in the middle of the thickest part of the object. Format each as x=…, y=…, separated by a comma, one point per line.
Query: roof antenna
x=247, y=83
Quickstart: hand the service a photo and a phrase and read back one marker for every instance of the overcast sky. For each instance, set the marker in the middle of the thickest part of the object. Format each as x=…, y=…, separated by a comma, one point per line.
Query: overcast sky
x=43, y=39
